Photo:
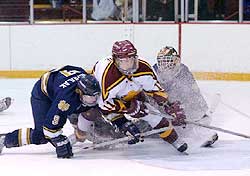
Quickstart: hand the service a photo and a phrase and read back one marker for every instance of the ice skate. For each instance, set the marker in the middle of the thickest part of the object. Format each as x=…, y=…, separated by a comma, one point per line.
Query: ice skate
x=5, y=103
x=1, y=143
x=180, y=145
x=210, y=141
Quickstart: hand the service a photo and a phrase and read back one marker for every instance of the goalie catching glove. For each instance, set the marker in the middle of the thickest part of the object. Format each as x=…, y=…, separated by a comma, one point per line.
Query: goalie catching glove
x=131, y=130
x=63, y=146
x=174, y=109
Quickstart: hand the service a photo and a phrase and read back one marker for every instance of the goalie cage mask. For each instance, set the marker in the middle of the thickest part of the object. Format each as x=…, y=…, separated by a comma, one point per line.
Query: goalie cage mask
x=167, y=58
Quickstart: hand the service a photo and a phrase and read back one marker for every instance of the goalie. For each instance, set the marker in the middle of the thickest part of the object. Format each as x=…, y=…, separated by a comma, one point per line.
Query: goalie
x=181, y=86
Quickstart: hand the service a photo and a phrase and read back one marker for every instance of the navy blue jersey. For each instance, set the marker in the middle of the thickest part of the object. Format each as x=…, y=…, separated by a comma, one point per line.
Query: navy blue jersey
x=55, y=96
x=58, y=88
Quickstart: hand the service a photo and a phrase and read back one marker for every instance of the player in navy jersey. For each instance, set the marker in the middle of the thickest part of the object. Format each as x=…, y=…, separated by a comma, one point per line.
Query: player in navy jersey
x=55, y=96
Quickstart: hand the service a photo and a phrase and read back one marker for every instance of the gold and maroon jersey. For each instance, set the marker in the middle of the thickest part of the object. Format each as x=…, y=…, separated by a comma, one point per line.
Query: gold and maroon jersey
x=117, y=88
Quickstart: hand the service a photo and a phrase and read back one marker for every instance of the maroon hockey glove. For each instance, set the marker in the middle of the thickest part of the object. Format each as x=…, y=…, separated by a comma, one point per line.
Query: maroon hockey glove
x=137, y=109
x=174, y=109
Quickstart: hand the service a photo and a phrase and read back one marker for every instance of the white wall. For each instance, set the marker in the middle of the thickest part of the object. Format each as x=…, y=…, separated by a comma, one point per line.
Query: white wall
x=216, y=47
x=205, y=47
x=46, y=46
x=5, y=58
x=149, y=39
x=36, y=47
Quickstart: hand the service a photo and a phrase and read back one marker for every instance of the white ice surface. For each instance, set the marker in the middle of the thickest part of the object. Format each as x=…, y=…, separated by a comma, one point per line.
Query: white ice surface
x=230, y=156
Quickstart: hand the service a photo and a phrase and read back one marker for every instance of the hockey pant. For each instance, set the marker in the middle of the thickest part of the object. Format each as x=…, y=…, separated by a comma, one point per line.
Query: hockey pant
x=196, y=134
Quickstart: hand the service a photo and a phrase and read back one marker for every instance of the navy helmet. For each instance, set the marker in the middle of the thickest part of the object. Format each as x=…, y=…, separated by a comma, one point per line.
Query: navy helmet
x=90, y=88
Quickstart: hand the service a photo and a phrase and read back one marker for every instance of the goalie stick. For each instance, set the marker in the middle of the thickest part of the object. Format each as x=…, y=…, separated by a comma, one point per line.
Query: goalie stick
x=215, y=100
x=120, y=140
x=235, y=109
x=205, y=126
x=228, y=105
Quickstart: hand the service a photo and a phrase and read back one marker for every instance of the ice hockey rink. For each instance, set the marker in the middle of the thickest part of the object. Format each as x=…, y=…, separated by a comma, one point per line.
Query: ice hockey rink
x=229, y=156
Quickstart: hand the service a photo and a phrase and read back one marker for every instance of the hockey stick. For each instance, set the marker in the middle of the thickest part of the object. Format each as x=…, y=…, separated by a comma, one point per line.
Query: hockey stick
x=205, y=126
x=228, y=105
x=215, y=100
x=234, y=109
x=219, y=129
x=120, y=140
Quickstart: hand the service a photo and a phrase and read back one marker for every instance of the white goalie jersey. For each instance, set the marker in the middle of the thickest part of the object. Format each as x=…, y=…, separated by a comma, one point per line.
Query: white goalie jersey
x=181, y=86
